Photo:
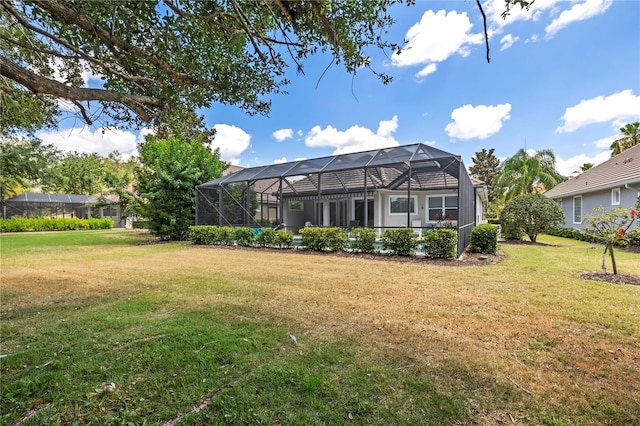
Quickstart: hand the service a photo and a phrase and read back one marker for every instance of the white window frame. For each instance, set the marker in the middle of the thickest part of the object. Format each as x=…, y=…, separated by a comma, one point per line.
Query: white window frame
x=444, y=205
x=615, y=197
x=575, y=199
x=415, y=204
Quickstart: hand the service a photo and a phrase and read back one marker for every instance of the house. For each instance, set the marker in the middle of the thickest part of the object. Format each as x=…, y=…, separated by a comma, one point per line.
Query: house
x=416, y=186
x=614, y=183
x=31, y=204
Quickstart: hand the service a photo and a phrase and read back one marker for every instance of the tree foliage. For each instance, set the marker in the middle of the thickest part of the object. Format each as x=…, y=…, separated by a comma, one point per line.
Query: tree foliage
x=629, y=136
x=170, y=169
x=486, y=167
x=23, y=163
x=163, y=58
x=526, y=174
x=531, y=213
x=156, y=57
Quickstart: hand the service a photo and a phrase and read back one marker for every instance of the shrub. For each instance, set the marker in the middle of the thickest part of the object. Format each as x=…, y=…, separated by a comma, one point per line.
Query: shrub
x=320, y=239
x=202, y=234
x=266, y=237
x=440, y=243
x=364, y=240
x=312, y=239
x=224, y=235
x=244, y=236
x=484, y=239
x=400, y=242
x=530, y=214
x=283, y=238
x=335, y=238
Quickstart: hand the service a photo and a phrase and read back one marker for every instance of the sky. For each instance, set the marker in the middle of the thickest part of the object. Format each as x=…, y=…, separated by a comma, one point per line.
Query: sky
x=563, y=76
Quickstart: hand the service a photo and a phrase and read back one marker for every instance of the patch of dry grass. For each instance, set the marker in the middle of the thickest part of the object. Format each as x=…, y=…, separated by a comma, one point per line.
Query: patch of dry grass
x=526, y=340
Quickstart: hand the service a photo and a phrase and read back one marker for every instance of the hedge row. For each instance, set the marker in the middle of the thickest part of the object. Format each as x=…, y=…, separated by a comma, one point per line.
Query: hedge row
x=21, y=224
x=439, y=243
x=633, y=238
x=242, y=236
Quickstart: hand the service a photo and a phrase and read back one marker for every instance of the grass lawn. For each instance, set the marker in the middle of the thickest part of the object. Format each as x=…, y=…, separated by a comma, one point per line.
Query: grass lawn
x=98, y=329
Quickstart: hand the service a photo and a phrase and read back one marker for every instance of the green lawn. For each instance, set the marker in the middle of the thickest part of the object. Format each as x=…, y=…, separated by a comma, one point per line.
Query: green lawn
x=97, y=328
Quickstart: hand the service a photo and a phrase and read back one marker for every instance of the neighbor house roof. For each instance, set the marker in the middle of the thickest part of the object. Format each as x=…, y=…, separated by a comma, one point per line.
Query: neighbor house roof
x=622, y=169
x=33, y=197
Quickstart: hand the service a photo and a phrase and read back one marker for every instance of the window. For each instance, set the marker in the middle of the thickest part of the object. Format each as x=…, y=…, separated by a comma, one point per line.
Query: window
x=577, y=209
x=615, y=197
x=109, y=212
x=398, y=205
x=296, y=205
x=443, y=207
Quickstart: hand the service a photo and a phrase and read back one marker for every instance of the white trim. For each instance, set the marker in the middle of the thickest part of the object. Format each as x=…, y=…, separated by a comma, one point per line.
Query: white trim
x=574, y=209
x=615, y=196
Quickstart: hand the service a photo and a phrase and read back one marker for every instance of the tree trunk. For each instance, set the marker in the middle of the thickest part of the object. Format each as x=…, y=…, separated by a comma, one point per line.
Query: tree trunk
x=613, y=259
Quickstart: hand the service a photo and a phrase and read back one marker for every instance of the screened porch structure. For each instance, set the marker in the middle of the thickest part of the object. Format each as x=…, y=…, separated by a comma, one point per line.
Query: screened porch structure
x=416, y=186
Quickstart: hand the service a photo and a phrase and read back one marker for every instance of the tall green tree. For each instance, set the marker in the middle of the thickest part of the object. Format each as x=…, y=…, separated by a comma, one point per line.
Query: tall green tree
x=24, y=163
x=77, y=173
x=486, y=167
x=530, y=214
x=526, y=174
x=157, y=58
x=166, y=179
x=629, y=136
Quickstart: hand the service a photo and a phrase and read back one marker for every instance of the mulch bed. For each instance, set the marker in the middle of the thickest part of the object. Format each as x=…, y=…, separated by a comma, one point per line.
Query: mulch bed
x=611, y=278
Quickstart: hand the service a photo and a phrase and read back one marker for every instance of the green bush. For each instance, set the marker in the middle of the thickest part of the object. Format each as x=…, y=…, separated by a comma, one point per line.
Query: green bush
x=266, y=238
x=320, y=239
x=530, y=214
x=312, y=239
x=364, y=240
x=400, y=242
x=21, y=224
x=440, y=244
x=283, y=238
x=224, y=235
x=202, y=234
x=244, y=236
x=484, y=239
x=335, y=238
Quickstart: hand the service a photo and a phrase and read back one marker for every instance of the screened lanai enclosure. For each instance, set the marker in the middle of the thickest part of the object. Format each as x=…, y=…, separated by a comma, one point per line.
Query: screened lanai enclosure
x=415, y=186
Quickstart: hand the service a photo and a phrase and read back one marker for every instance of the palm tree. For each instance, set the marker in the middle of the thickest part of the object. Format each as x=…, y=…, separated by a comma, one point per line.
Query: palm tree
x=526, y=174
x=630, y=137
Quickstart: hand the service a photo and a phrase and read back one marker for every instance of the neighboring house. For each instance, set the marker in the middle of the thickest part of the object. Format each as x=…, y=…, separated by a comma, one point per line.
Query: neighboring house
x=614, y=183
x=32, y=204
x=415, y=186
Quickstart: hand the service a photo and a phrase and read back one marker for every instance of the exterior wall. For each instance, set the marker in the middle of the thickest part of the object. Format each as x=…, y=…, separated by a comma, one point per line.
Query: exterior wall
x=388, y=219
x=596, y=199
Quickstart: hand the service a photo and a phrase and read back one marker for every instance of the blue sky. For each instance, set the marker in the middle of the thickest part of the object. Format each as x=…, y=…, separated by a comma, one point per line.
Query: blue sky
x=563, y=76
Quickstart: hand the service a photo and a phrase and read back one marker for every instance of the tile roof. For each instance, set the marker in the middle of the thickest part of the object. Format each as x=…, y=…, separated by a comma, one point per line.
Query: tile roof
x=622, y=169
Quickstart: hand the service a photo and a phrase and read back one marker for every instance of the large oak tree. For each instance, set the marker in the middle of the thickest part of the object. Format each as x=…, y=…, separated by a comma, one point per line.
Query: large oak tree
x=158, y=58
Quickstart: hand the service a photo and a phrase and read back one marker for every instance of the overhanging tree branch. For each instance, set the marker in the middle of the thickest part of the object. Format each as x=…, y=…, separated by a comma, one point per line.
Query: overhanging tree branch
x=38, y=84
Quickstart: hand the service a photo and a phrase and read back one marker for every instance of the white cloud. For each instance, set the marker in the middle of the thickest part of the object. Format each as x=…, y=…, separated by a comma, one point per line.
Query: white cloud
x=435, y=38
x=605, y=142
x=355, y=138
x=101, y=141
x=570, y=165
x=479, y=122
x=429, y=69
x=494, y=9
x=623, y=105
x=508, y=41
x=578, y=12
x=232, y=142
x=280, y=160
x=282, y=134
